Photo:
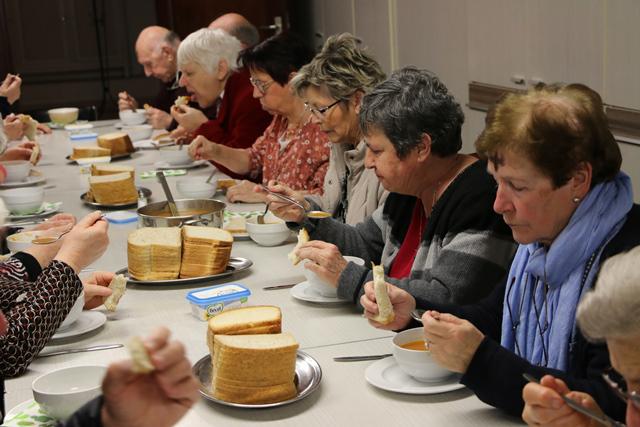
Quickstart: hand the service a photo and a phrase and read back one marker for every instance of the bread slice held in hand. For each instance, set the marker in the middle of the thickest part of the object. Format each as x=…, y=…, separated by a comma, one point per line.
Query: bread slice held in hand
x=385, y=308
x=139, y=356
x=118, y=286
x=303, y=237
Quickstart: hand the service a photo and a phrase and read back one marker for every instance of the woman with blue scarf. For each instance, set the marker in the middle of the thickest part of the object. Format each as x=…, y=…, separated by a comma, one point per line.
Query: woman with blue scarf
x=560, y=189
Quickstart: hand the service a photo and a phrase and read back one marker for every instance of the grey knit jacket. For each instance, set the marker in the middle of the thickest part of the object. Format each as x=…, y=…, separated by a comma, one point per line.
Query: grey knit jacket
x=465, y=250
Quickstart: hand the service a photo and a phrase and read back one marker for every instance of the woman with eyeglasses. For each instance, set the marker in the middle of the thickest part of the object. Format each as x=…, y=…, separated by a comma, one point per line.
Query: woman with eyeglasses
x=292, y=150
x=560, y=189
x=332, y=86
x=207, y=60
x=608, y=313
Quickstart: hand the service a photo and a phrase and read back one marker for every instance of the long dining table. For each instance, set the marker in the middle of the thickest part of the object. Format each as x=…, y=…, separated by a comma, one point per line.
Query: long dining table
x=323, y=331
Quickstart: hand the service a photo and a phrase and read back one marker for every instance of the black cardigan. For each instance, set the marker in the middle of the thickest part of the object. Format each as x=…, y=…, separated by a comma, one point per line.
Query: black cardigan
x=495, y=373
x=5, y=107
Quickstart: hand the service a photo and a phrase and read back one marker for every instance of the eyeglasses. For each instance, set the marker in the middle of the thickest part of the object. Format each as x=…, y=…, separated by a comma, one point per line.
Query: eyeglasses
x=319, y=112
x=619, y=387
x=260, y=85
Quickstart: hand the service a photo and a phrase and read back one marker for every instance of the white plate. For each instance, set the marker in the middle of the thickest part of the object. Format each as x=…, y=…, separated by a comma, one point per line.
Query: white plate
x=88, y=321
x=28, y=181
x=303, y=291
x=31, y=413
x=387, y=375
x=48, y=208
x=167, y=165
x=145, y=144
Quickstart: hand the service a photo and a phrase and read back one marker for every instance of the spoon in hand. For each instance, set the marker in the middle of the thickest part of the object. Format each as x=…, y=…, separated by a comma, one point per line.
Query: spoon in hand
x=45, y=240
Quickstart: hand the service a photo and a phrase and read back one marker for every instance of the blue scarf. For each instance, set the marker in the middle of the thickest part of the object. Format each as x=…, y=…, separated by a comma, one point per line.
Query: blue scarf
x=540, y=328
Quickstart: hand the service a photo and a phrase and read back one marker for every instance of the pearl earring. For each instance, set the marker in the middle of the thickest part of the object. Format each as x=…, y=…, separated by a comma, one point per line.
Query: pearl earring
x=576, y=200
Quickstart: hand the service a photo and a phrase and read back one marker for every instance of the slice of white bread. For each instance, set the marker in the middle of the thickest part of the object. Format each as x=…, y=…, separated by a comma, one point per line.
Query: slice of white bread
x=385, y=308
x=89, y=151
x=109, y=169
x=113, y=189
x=35, y=154
x=257, y=319
x=118, y=287
x=205, y=251
x=117, y=142
x=30, y=126
x=154, y=253
x=303, y=237
x=182, y=100
x=139, y=356
x=254, y=369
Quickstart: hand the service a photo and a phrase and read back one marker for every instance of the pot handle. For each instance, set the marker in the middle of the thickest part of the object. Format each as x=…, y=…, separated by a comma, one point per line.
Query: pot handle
x=197, y=221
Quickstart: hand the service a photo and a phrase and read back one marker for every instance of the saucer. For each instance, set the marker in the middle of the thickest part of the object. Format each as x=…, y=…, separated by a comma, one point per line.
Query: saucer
x=145, y=144
x=28, y=413
x=36, y=177
x=305, y=292
x=88, y=321
x=166, y=165
x=387, y=375
x=46, y=209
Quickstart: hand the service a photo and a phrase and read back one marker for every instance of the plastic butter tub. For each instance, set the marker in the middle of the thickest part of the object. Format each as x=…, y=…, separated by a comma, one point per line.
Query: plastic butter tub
x=207, y=302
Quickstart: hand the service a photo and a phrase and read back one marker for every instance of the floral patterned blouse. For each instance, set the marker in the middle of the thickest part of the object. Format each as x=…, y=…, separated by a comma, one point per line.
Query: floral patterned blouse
x=35, y=303
x=297, y=157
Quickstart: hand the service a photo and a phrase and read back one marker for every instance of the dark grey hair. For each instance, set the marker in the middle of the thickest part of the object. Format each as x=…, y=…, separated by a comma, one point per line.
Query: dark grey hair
x=246, y=33
x=612, y=308
x=410, y=103
x=172, y=39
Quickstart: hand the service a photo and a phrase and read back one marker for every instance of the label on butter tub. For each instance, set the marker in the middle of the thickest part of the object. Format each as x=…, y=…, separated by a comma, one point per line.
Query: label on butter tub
x=208, y=302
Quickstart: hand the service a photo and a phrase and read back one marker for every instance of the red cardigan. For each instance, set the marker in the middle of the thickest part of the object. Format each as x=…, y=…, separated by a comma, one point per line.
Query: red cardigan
x=241, y=119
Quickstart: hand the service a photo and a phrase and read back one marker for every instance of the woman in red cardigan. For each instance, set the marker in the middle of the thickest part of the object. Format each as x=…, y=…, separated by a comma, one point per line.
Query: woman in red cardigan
x=208, y=62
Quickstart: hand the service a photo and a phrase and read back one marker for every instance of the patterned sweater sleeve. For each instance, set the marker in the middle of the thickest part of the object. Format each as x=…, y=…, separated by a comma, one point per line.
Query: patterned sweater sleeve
x=34, y=310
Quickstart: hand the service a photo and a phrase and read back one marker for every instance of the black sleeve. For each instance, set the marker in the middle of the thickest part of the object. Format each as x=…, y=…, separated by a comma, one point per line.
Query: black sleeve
x=88, y=415
x=30, y=264
x=5, y=107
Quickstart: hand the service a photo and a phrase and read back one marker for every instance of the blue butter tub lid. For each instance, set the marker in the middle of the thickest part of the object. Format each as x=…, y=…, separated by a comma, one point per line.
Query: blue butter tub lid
x=218, y=293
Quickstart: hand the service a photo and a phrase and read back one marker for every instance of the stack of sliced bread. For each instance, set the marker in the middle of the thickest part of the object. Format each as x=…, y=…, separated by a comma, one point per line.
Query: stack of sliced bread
x=206, y=251
x=254, y=369
x=89, y=151
x=117, y=142
x=109, y=169
x=154, y=253
x=259, y=319
x=114, y=189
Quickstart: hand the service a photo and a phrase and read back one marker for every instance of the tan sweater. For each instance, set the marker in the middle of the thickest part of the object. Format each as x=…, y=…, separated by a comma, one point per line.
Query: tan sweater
x=365, y=193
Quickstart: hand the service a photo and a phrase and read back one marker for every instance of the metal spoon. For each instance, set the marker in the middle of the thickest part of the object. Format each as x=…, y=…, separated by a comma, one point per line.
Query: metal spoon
x=417, y=314
x=311, y=214
x=45, y=240
x=167, y=192
x=211, y=176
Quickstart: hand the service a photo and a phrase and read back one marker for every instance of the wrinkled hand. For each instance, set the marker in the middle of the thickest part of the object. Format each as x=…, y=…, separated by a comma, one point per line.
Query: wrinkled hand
x=157, y=399
x=45, y=253
x=86, y=242
x=201, y=148
x=281, y=208
x=30, y=145
x=157, y=118
x=16, y=153
x=126, y=101
x=244, y=192
x=188, y=117
x=324, y=259
x=96, y=289
x=13, y=127
x=543, y=405
x=452, y=341
x=402, y=301
x=43, y=128
x=58, y=220
x=10, y=87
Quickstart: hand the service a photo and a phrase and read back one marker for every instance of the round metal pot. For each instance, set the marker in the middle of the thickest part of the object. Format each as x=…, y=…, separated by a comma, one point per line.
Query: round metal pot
x=208, y=212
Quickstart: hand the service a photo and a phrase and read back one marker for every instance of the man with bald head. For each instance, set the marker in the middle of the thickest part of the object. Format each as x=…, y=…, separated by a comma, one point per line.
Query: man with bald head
x=238, y=26
x=156, y=49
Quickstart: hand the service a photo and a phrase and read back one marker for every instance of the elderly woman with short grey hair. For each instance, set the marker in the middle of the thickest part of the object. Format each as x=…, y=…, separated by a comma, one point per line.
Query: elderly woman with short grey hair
x=436, y=235
x=611, y=313
x=332, y=86
x=207, y=60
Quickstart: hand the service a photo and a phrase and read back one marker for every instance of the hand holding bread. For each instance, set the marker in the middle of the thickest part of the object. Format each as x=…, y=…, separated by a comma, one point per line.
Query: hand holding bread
x=189, y=118
x=385, y=309
x=156, y=400
x=401, y=301
x=96, y=289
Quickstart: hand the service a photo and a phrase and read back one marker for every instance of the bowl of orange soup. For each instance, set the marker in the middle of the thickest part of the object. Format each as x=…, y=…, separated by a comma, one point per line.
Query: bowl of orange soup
x=413, y=358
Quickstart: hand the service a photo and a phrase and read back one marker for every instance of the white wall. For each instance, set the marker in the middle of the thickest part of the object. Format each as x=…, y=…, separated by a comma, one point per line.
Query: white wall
x=596, y=42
